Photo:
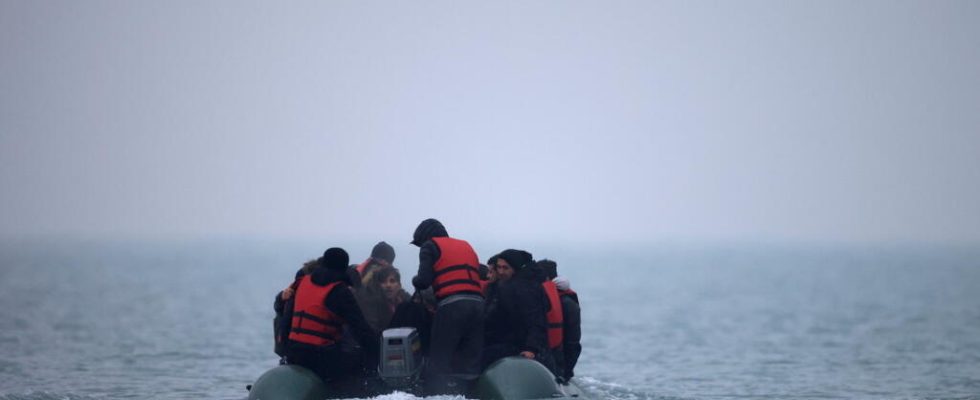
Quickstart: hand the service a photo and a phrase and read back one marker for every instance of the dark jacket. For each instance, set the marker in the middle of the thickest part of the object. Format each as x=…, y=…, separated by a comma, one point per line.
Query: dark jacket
x=428, y=255
x=281, y=323
x=411, y=314
x=515, y=312
x=341, y=302
x=572, y=335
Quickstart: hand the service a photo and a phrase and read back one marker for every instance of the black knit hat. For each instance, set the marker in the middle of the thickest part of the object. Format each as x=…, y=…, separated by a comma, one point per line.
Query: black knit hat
x=335, y=258
x=383, y=251
x=518, y=259
x=427, y=230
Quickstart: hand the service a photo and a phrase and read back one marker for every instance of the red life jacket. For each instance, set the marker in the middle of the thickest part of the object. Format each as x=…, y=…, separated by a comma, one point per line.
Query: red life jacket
x=362, y=266
x=313, y=323
x=456, y=269
x=554, y=315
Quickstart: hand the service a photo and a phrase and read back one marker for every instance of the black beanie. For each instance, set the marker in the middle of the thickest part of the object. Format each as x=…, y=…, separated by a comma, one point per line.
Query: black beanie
x=518, y=259
x=383, y=251
x=335, y=258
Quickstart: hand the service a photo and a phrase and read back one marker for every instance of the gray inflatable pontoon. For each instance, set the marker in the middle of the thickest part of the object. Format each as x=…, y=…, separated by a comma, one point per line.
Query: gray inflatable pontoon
x=511, y=378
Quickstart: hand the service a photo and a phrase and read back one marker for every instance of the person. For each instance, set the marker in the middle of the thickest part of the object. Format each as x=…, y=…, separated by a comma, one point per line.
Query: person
x=324, y=308
x=284, y=304
x=516, y=308
x=382, y=255
x=380, y=296
x=571, y=346
x=449, y=267
x=572, y=326
x=553, y=317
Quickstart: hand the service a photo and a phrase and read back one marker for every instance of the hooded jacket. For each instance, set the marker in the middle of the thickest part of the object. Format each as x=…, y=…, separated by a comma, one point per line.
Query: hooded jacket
x=515, y=313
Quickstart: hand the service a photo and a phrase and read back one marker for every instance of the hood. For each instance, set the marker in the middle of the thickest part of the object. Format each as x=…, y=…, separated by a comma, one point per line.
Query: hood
x=427, y=230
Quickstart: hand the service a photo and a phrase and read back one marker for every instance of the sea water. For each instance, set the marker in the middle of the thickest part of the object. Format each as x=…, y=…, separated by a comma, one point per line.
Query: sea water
x=193, y=319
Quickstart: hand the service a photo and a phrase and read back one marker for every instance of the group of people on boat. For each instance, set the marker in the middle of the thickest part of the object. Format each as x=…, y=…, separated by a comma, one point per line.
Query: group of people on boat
x=468, y=314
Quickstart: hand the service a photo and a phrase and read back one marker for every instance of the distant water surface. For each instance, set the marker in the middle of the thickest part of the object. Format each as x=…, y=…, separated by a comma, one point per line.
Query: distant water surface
x=103, y=320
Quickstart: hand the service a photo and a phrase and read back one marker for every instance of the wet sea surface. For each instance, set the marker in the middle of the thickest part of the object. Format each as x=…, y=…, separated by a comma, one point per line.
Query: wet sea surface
x=181, y=320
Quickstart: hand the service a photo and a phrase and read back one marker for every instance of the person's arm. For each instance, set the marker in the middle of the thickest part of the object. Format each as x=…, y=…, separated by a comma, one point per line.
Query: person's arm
x=341, y=301
x=279, y=303
x=531, y=309
x=428, y=255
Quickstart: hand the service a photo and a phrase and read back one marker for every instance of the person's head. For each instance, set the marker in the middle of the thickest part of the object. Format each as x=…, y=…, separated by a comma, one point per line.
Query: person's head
x=510, y=262
x=390, y=281
x=503, y=270
x=383, y=253
x=427, y=230
x=335, y=258
x=550, y=268
x=309, y=266
x=492, y=271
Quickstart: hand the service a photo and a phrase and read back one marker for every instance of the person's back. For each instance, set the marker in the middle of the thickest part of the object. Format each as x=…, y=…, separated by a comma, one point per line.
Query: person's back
x=324, y=307
x=449, y=267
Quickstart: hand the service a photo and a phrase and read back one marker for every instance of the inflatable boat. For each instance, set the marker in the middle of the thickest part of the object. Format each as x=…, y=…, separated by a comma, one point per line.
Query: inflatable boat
x=400, y=369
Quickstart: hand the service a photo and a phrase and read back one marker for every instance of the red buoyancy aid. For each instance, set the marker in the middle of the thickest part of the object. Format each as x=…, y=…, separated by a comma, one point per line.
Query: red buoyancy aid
x=555, y=318
x=456, y=269
x=313, y=323
x=362, y=266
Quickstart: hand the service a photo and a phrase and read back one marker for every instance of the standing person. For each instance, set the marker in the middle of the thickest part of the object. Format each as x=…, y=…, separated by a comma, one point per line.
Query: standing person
x=571, y=346
x=516, y=309
x=323, y=308
x=449, y=266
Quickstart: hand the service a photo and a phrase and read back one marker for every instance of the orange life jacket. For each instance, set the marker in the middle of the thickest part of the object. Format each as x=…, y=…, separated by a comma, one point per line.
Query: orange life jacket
x=456, y=269
x=313, y=323
x=554, y=315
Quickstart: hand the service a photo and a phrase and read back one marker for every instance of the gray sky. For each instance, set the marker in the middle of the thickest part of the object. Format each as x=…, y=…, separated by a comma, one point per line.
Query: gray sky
x=577, y=121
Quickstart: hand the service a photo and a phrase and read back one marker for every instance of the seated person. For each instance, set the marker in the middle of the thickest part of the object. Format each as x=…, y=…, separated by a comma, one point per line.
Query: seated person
x=571, y=347
x=572, y=325
x=382, y=255
x=515, y=313
x=323, y=309
x=284, y=304
x=380, y=296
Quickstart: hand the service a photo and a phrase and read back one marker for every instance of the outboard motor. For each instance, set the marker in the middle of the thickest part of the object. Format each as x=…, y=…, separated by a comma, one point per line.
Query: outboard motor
x=401, y=358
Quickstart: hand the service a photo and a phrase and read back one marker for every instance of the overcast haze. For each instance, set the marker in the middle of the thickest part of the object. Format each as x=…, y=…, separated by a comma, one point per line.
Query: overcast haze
x=828, y=121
